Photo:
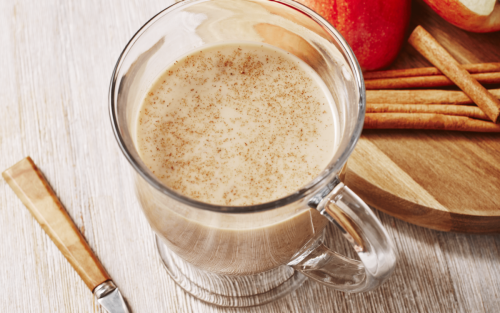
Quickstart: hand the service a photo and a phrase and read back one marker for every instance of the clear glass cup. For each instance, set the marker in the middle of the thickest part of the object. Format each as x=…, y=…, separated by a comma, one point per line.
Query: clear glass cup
x=250, y=255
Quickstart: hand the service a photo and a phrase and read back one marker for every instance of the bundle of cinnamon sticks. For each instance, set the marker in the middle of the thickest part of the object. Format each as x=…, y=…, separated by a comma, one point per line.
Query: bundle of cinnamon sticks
x=434, y=109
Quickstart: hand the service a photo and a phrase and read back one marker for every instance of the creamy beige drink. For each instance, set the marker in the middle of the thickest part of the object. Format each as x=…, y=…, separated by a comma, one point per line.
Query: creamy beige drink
x=236, y=124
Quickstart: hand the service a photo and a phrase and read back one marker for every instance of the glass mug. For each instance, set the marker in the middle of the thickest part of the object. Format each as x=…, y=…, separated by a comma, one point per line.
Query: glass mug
x=250, y=255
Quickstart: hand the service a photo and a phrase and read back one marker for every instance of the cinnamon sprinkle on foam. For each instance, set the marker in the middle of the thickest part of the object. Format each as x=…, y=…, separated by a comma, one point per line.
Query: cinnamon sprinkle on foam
x=238, y=124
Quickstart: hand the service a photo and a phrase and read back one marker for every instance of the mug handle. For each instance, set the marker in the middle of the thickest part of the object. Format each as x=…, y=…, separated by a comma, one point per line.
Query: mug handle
x=366, y=234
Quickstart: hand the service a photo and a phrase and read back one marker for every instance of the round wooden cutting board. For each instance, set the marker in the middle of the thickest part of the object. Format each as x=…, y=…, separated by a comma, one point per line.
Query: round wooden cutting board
x=448, y=181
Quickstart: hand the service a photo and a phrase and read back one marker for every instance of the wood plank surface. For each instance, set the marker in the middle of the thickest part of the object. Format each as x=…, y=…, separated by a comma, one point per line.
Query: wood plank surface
x=56, y=61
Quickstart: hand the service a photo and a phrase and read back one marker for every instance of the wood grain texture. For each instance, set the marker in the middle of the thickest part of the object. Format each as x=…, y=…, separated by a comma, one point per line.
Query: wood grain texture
x=56, y=61
x=461, y=170
x=35, y=193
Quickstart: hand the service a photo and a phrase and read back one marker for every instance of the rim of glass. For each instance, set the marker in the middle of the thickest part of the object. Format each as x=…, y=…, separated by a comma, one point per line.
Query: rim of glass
x=332, y=167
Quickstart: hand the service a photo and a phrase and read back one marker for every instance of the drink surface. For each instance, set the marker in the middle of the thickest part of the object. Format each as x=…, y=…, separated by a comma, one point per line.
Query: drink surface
x=237, y=124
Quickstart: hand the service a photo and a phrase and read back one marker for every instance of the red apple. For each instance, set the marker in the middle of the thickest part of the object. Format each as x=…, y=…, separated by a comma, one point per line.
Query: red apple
x=375, y=29
x=479, y=16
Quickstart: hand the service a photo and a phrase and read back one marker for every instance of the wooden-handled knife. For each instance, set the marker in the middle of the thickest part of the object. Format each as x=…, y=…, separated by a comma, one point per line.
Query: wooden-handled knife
x=34, y=191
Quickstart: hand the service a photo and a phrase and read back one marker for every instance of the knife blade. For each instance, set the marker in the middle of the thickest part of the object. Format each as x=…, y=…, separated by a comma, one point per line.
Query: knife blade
x=110, y=298
x=29, y=184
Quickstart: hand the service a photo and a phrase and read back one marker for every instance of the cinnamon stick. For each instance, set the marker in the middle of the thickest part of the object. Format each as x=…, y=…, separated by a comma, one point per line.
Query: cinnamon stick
x=427, y=81
x=422, y=96
x=428, y=71
x=427, y=121
x=424, y=43
x=457, y=110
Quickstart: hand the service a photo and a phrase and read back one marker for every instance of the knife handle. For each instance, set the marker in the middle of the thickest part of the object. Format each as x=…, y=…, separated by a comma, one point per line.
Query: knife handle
x=34, y=191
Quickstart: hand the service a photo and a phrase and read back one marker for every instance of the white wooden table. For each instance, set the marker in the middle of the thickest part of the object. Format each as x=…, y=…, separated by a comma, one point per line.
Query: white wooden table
x=56, y=59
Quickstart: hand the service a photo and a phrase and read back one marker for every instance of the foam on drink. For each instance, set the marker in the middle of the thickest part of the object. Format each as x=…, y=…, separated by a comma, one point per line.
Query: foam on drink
x=237, y=124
